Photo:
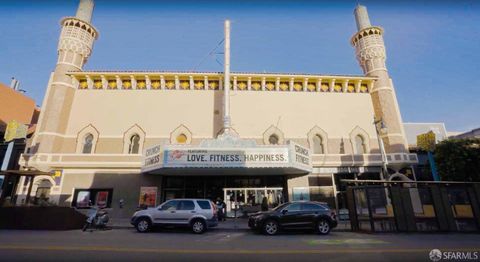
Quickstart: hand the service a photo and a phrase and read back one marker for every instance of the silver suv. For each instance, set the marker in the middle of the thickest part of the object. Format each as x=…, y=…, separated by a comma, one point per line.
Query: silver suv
x=198, y=214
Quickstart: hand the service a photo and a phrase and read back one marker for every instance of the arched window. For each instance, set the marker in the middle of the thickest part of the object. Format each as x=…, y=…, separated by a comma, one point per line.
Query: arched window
x=360, y=145
x=181, y=139
x=43, y=191
x=273, y=139
x=134, y=146
x=317, y=144
x=87, y=144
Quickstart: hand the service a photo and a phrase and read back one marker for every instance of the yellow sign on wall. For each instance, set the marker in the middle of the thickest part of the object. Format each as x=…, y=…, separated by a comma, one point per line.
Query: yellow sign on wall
x=57, y=176
x=426, y=141
x=15, y=130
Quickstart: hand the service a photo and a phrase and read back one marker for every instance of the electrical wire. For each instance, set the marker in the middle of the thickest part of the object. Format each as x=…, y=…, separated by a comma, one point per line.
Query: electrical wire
x=210, y=54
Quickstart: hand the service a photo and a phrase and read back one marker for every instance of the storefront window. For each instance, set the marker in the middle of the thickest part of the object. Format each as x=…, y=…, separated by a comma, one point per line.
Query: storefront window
x=175, y=182
x=323, y=194
x=320, y=180
x=301, y=193
x=84, y=198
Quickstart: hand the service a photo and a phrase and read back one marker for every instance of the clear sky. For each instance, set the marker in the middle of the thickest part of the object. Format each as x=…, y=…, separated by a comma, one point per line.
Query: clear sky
x=433, y=47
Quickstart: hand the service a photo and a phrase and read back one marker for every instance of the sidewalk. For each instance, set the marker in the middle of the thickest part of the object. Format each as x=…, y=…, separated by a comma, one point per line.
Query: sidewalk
x=231, y=224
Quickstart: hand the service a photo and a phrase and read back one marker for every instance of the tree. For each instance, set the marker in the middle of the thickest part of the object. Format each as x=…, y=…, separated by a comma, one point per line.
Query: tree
x=458, y=160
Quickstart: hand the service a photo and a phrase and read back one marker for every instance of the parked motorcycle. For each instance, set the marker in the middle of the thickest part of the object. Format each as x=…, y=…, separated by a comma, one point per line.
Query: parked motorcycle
x=97, y=218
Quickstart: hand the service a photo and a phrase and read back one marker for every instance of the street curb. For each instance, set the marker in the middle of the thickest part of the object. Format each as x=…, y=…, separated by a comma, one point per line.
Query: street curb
x=221, y=229
x=216, y=229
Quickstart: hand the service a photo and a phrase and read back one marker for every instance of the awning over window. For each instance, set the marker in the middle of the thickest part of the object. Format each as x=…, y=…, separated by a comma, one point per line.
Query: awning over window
x=227, y=155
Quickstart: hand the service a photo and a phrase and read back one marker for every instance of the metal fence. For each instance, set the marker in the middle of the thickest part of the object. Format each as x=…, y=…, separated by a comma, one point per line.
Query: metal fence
x=387, y=206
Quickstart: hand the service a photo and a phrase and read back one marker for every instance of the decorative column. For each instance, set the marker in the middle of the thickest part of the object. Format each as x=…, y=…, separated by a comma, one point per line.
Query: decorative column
x=148, y=82
x=371, y=55
x=74, y=48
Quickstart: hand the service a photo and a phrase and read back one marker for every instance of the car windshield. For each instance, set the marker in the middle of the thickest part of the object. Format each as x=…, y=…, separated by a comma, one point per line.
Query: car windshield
x=280, y=207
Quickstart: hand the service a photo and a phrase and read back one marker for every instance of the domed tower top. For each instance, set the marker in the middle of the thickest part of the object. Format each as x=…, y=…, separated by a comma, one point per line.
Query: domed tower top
x=361, y=17
x=85, y=10
x=371, y=55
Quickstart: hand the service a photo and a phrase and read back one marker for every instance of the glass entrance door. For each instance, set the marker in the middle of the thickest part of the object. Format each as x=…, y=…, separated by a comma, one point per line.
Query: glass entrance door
x=243, y=201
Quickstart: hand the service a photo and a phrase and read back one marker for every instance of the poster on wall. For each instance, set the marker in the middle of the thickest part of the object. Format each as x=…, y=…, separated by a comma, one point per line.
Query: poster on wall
x=300, y=193
x=148, y=196
x=102, y=198
x=83, y=198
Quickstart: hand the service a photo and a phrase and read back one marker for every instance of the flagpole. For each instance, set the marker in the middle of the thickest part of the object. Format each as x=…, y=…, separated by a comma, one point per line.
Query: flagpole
x=226, y=86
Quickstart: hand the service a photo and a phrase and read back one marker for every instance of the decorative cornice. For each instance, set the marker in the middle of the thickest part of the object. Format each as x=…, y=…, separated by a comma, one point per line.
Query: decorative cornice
x=374, y=30
x=198, y=81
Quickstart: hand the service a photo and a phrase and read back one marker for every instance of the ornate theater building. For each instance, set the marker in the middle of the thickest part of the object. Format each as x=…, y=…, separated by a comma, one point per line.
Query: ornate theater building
x=121, y=139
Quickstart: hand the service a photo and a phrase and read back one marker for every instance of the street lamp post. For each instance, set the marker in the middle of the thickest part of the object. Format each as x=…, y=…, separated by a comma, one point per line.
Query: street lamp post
x=380, y=128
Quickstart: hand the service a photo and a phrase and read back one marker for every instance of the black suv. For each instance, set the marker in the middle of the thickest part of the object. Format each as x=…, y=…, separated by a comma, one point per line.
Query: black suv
x=295, y=215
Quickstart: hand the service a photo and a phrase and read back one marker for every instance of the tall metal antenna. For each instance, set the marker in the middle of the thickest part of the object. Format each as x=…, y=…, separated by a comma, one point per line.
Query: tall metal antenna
x=226, y=86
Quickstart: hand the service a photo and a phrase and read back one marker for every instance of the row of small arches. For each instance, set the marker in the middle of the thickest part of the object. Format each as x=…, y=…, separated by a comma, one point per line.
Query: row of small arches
x=273, y=136
x=76, y=23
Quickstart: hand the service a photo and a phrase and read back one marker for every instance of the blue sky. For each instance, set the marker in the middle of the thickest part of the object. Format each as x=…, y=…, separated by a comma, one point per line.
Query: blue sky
x=433, y=48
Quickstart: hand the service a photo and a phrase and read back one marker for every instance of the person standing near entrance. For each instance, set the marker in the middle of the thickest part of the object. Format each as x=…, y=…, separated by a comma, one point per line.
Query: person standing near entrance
x=264, y=203
x=221, y=207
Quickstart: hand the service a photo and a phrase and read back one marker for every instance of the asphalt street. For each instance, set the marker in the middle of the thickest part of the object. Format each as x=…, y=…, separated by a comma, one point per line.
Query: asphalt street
x=216, y=245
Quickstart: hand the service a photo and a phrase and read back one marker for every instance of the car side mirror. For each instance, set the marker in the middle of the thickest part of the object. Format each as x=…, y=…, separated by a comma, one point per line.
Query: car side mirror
x=284, y=211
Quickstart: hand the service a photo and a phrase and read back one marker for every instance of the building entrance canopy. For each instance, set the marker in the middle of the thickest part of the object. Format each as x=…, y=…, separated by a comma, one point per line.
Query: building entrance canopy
x=227, y=155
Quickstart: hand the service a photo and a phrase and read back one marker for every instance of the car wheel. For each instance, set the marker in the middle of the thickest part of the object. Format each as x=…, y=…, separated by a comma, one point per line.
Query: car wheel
x=143, y=225
x=199, y=226
x=270, y=227
x=323, y=227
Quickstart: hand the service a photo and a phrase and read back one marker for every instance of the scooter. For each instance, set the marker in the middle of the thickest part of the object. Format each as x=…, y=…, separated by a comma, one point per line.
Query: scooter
x=97, y=218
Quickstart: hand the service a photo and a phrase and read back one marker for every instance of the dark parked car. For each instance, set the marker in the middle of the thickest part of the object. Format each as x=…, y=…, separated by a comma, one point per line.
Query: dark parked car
x=295, y=215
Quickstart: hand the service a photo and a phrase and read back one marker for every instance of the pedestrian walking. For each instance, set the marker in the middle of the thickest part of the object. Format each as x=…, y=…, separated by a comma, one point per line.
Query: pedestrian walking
x=264, y=203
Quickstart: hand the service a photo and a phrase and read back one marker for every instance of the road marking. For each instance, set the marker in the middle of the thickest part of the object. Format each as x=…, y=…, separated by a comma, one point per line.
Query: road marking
x=219, y=251
x=352, y=241
x=222, y=237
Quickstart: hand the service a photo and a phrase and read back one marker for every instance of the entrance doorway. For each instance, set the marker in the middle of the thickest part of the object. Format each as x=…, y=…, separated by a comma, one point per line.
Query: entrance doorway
x=246, y=191
x=242, y=201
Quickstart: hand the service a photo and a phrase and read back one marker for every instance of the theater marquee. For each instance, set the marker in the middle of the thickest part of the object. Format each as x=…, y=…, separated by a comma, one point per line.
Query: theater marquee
x=291, y=155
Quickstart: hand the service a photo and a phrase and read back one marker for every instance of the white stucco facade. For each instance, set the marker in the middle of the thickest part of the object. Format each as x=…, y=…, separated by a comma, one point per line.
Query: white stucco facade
x=95, y=125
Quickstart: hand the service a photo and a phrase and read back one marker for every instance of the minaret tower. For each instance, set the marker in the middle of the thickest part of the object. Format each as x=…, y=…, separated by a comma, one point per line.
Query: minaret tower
x=74, y=47
x=370, y=52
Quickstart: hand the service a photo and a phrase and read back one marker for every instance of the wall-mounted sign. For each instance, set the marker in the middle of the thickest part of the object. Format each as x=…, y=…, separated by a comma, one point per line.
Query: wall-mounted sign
x=15, y=130
x=279, y=156
x=57, y=176
x=300, y=155
x=225, y=158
